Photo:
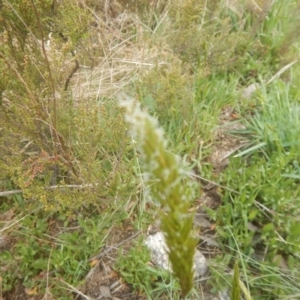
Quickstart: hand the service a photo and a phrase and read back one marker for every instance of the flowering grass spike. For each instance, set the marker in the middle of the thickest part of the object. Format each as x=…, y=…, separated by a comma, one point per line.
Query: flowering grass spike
x=170, y=187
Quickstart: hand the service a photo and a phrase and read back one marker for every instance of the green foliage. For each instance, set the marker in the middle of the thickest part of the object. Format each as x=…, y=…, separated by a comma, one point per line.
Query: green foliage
x=18, y=19
x=266, y=200
x=263, y=181
x=147, y=11
x=208, y=34
x=135, y=270
x=48, y=140
x=275, y=125
x=187, y=110
x=171, y=188
x=47, y=247
x=283, y=17
x=166, y=93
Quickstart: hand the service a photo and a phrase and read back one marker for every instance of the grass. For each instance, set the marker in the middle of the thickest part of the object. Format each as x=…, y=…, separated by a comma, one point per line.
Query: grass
x=76, y=173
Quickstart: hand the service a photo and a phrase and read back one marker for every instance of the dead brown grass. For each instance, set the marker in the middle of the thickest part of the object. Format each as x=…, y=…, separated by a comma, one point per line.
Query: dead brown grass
x=122, y=49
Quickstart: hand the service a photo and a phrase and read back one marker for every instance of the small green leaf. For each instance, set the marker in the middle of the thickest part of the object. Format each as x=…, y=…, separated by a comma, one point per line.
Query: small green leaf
x=253, y=214
x=268, y=228
x=39, y=264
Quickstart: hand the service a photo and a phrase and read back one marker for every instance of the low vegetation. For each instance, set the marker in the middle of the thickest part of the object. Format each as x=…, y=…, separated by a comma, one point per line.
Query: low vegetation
x=214, y=128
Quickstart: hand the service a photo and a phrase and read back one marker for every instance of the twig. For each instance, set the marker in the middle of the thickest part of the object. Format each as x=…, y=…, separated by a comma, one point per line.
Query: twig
x=75, y=69
x=47, y=292
x=13, y=223
x=52, y=187
x=6, y=193
x=75, y=290
x=115, y=246
x=277, y=75
x=72, y=186
x=214, y=183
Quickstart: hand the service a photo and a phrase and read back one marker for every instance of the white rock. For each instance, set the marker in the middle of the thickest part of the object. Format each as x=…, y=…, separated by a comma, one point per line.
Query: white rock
x=159, y=256
x=249, y=90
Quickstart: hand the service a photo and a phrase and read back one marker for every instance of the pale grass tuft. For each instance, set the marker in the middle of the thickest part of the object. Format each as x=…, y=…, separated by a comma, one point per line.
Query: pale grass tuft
x=127, y=51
